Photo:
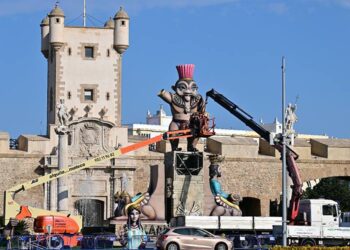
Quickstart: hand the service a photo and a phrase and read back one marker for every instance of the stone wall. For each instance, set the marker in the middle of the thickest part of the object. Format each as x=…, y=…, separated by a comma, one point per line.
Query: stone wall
x=256, y=177
x=142, y=172
x=17, y=167
x=253, y=177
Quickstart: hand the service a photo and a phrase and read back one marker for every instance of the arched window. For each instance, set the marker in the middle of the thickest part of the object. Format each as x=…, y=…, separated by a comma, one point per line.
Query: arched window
x=250, y=206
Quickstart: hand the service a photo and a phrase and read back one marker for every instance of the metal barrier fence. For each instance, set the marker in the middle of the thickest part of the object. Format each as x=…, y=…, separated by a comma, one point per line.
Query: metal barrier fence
x=13, y=143
x=109, y=241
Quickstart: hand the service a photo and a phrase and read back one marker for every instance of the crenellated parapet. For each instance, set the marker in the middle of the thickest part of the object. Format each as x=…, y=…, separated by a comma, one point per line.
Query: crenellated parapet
x=331, y=149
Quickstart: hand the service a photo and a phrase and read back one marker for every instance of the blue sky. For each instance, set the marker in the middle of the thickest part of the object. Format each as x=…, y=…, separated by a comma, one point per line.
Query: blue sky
x=236, y=46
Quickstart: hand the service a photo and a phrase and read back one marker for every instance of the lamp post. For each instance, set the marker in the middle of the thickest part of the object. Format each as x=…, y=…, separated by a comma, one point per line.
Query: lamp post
x=284, y=165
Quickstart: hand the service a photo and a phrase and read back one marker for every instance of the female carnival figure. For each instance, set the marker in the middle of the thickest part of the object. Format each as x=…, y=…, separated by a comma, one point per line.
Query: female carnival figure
x=133, y=230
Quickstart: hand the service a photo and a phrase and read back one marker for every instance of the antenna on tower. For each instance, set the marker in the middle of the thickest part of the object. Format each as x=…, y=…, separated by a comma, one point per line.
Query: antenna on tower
x=84, y=14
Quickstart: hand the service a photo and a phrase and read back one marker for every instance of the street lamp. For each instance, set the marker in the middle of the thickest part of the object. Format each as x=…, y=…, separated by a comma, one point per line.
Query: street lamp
x=284, y=165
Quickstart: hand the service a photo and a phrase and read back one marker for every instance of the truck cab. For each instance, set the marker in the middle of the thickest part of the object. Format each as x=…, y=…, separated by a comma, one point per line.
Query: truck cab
x=319, y=212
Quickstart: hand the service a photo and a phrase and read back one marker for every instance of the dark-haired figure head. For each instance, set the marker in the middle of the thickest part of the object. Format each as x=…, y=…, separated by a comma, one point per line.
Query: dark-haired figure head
x=134, y=213
x=214, y=171
x=134, y=231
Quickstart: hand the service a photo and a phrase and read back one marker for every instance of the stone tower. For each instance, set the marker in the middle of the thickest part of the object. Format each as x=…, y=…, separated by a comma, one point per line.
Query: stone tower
x=84, y=109
x=84, y=66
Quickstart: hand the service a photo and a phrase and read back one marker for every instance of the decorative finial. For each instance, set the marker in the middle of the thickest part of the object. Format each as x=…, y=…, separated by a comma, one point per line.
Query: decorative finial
x=57, y=3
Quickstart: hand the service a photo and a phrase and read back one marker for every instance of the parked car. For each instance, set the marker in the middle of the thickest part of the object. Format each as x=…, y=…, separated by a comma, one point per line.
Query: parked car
x=190, y=238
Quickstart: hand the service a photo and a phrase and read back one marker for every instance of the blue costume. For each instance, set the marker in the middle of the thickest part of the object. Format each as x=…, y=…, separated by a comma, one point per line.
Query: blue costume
x=135, y=237
x=215, y=188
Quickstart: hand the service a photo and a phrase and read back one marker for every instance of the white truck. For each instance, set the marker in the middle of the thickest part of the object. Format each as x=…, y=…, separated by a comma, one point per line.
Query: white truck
x=319, y=223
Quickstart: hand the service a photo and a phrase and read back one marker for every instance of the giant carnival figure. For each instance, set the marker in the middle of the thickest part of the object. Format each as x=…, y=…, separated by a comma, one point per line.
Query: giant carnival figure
x=226, y=204
x=133, y=235
x=123, y=200
x=184, y=102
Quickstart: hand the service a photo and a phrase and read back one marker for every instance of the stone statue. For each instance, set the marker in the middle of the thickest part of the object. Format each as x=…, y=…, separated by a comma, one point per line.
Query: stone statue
x=62, y=113
x=290, y=118
x=133, y=234
x=184, y=102
x=226, y=204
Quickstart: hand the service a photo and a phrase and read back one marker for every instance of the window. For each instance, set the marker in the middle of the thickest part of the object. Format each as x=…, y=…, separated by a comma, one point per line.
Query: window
x=57, y=20
x=165, y=230
x=107, y=96
x=108, y=53
x=69, y=139
x=123, y=23
x=89, y=52
x=199, y=232
x=69, y=51
x=69, y=95
x=329, y=210
x=182, y=231
x=88, y=94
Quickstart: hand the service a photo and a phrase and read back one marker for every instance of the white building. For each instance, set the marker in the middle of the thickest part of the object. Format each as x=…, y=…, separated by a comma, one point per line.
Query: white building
x=159, y=123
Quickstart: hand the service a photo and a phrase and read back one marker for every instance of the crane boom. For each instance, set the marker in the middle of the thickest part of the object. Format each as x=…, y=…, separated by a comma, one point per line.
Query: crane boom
x=274, y=140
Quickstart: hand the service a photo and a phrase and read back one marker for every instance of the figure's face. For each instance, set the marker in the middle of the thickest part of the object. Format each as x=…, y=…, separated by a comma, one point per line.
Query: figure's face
x=219, y=172
x=186, y=89
x=134, y=215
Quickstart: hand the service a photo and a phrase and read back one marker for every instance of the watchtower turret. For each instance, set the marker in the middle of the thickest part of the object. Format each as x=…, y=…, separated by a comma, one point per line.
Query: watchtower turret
x=121, y=31
x=56, y=20
x=45, y=29
x=109, y=23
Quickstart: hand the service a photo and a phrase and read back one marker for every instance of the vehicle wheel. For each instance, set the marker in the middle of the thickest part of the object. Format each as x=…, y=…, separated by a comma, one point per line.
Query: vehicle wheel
x=308, y=242
x=221, y=246
x=246, y=243
x=89, y=243
x=172, y=246
x=55, y=242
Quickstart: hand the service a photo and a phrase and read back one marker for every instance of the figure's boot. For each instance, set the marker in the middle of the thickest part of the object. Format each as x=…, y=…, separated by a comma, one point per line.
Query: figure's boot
x=191, y=144
x=174, y=145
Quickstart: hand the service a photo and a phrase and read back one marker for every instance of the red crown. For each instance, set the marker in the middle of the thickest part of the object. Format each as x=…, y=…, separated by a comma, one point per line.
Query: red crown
x=185, y=71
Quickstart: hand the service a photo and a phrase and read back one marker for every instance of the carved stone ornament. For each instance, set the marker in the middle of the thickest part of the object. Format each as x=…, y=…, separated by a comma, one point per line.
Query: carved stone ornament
x=89, y=138
x=181, y=210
